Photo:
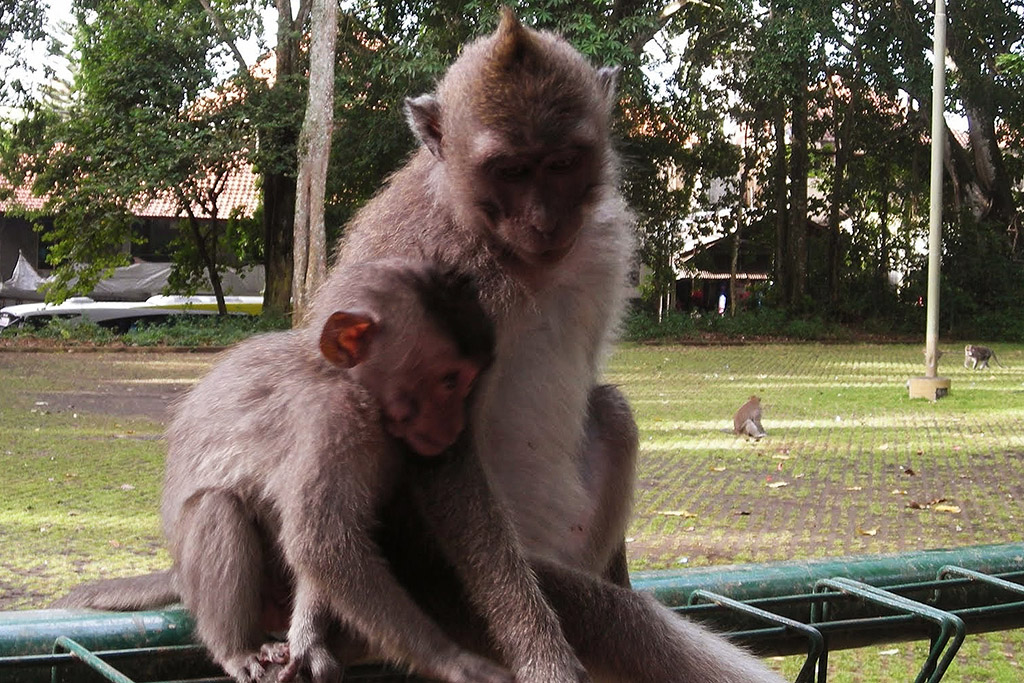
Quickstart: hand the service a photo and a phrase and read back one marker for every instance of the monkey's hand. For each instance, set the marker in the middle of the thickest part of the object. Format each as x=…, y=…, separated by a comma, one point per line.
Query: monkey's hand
x=316, y=661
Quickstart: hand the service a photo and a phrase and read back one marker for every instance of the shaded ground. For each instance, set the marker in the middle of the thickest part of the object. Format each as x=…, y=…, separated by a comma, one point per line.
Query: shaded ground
x=116, y=399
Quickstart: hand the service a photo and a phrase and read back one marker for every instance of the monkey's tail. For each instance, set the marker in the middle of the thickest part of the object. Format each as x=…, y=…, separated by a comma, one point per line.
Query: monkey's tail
x=125, y=594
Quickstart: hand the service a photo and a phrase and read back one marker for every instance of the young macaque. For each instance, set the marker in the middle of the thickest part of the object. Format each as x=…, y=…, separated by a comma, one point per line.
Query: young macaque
x=747, y=419
x=978, y=356
x=280, y=460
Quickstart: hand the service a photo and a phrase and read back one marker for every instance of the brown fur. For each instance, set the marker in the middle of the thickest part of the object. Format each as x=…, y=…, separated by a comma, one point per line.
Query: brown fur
x=979, y=356
x=278, y=463
x=747, y=419
x=555, y=312
x=516, y=181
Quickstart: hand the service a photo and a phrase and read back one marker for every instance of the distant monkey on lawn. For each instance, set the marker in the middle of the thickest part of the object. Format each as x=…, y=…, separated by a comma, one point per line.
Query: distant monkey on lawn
x=747, y=419
x=978, y=356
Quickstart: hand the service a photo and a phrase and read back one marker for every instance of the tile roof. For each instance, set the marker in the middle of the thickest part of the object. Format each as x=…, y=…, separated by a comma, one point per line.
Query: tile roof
x=240, y=192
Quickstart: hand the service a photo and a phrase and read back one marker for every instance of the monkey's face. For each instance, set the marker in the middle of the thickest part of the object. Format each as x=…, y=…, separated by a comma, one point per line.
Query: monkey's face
x=422, y=385
x=530, y=201
x=425, y=406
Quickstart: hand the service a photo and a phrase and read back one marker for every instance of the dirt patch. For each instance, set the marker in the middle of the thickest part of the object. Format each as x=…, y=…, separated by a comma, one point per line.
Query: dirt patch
x=122, y=400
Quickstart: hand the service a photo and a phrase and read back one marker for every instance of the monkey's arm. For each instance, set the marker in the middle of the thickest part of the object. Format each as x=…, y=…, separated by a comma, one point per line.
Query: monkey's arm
x=475, y=534
x=339, y=568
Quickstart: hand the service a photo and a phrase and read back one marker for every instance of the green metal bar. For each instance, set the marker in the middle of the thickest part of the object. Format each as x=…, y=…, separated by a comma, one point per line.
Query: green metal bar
x=952, y=630
x=950, y=570
x=751, y=581
x=89, y=659
x=784, y=589
x=34, y=632
x=816, y=641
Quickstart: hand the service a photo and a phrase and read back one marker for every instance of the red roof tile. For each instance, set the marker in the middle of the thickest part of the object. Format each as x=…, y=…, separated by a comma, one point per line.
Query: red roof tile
x=240, y=192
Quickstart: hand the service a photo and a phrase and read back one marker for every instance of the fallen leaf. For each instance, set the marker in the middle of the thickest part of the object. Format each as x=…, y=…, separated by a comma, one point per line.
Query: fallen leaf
x=945, y=507
x=883, y=447
x=677, y=513
x=868, y=532
x=899, y=492
x=115, y=544
x=914, y=505
x=718, y=468
x=854, y=488
x=778, y=484
x=908, y=471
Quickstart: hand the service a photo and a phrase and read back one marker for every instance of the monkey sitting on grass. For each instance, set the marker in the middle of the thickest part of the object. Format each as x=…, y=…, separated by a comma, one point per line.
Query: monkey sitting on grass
x=280, y=459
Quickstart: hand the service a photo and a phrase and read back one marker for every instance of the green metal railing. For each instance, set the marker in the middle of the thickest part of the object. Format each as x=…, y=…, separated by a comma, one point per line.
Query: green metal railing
x=789, y=608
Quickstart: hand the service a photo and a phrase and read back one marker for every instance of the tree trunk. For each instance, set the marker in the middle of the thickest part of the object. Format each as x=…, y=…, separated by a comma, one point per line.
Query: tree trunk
x=732, y=268
x=208, y=254
x=883, y=247
x=782, y=274
x=798, y=169
x=835, y=202
x=279, y=184
x=310, y=241
x=278, y=217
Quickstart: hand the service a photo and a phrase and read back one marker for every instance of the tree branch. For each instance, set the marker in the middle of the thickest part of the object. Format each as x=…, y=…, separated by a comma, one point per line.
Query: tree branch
x=225, y=35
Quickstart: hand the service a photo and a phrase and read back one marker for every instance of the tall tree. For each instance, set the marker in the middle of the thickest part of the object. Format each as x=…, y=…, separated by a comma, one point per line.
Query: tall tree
x=274, y=103
x=22, y=24
x=310, y=242
x=137, y=128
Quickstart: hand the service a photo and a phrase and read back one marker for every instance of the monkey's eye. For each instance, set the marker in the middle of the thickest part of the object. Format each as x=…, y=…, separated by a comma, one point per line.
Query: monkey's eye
x=450, y=380
x=513, y=172
x=563, y=164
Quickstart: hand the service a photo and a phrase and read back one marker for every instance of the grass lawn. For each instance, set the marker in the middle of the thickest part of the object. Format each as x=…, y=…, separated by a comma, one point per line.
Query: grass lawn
x=846, y=458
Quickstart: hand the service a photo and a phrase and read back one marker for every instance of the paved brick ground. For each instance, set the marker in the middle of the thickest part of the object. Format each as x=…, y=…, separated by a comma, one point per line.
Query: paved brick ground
x=847, y=456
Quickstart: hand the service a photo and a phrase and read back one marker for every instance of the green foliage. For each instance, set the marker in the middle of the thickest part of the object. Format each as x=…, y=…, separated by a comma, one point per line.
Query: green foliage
x=191, y=331
x=136, y=127
x=202, y=330
x=72, y=331
x=22, y=24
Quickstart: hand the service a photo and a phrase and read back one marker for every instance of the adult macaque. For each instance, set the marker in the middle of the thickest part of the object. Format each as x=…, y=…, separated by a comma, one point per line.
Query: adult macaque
x=280, y=460
x=747, y=419
x=978, y=356
x=516, y=181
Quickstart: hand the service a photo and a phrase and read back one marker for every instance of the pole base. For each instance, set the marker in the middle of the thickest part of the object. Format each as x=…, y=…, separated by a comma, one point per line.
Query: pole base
x=931, y=388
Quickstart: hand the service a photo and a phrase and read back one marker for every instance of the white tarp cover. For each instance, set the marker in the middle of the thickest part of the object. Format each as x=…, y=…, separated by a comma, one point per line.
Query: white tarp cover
x=136, y=282
x=24, y=282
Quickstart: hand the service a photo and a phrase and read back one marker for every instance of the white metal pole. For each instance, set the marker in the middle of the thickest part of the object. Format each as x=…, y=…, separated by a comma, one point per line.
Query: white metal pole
x=935, y=215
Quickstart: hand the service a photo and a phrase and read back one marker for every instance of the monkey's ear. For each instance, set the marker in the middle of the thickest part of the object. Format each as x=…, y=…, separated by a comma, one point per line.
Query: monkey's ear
x=345, y=339
x=424, y=116
x=608, y=79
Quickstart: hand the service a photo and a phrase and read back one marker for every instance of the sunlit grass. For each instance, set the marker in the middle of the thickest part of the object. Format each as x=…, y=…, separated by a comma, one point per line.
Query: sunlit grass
x=79, y=491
